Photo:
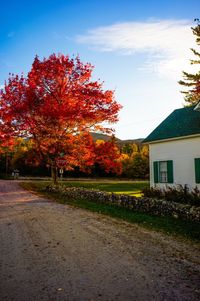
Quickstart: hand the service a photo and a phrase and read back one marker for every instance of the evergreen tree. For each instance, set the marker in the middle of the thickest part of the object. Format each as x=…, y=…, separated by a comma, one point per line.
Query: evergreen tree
x=192, y=81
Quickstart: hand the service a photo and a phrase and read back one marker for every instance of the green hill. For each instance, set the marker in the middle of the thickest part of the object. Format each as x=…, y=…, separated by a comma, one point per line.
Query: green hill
x=104, y=137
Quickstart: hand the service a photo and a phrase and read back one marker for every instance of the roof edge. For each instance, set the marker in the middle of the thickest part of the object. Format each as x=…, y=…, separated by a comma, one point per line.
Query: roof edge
x=171, y=139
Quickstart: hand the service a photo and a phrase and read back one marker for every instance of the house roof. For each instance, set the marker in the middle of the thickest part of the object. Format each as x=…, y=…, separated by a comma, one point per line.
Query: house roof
x=181, y=122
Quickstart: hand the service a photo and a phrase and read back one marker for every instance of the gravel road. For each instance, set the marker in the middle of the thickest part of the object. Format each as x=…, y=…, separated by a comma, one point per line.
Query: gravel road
x=50, y=251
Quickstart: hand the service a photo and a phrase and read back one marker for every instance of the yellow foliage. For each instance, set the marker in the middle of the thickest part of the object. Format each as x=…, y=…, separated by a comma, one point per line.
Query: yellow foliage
x=124, y=157
x=99, y=142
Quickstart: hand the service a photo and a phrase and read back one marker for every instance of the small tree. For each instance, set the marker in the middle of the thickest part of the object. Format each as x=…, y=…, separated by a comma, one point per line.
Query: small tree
x=192, y=81
x=56, y=105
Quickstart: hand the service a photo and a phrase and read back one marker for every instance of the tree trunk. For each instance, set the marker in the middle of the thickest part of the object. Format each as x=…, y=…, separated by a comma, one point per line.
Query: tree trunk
x=54, y=173
x=6, y=164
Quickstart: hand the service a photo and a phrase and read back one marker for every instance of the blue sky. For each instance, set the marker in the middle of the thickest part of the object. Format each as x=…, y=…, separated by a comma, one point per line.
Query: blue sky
x=139, y=48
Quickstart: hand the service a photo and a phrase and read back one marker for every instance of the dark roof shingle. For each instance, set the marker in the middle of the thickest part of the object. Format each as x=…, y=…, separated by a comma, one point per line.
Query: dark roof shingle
x=181, y=122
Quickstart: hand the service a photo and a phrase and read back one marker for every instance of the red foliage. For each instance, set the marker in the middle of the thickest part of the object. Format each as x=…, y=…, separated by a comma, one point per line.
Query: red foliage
x=56, y=105
x=107, y=155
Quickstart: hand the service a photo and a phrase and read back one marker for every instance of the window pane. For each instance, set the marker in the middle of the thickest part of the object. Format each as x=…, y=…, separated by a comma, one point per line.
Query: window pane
x=163, y=166
x=163, y=172
x=163, y=177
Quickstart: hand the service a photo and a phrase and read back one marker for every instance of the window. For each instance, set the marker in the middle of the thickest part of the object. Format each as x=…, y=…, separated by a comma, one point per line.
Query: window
x=163, y=171
x=197, y=170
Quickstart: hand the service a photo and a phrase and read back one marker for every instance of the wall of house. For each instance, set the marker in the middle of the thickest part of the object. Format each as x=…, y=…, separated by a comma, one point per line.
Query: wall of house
x=182, y=152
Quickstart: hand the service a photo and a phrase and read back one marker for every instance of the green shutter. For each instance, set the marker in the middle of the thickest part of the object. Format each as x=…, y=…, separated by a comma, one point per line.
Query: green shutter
x=197, y=170
x=170, y=176
x=155, y=171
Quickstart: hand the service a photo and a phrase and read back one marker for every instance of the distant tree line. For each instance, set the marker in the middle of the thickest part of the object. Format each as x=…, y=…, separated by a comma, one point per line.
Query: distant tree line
x=135, y=161
x=133, y=158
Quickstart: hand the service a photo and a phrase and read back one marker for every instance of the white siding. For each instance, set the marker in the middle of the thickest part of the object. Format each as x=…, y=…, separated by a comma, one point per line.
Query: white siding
x=182, y=152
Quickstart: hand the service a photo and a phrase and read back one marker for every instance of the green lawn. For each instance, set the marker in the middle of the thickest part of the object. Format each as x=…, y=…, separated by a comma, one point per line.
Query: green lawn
x=119, y=187
x=169, y=225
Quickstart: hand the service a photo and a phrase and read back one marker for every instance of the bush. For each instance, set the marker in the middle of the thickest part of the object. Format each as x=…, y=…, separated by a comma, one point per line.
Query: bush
x=152, y=193
x=180, y=194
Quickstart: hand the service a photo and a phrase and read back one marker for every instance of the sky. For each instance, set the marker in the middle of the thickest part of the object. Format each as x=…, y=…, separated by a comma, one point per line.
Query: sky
x=139, y=48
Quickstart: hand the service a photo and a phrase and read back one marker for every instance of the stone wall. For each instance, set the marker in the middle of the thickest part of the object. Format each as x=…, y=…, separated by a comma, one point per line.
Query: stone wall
x=140, y=204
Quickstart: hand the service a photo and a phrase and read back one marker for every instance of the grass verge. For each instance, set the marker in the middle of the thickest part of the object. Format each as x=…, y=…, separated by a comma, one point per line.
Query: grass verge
x=168, y=225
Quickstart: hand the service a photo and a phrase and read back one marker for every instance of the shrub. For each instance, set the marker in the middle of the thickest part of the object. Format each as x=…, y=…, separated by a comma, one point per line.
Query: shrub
x=152, y=192
x=180, y=194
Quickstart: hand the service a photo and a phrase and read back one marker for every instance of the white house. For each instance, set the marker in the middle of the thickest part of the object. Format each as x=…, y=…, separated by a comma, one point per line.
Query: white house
x=174, y=148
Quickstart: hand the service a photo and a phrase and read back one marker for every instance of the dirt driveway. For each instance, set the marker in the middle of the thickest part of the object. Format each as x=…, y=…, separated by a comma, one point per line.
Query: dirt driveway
x=50, y=251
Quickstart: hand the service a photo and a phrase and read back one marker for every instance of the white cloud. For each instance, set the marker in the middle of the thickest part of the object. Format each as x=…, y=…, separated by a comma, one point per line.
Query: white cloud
x=165, y=43
x=1, y=87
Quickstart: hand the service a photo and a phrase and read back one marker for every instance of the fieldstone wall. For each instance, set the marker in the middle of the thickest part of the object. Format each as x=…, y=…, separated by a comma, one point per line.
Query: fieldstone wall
x=139, y=204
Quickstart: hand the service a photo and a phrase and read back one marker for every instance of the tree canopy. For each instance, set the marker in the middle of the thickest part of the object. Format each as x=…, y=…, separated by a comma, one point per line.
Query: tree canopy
x=56, y=106
x=192, y=81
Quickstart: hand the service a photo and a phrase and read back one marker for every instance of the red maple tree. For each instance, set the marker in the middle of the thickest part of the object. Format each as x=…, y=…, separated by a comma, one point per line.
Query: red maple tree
x=57, y=105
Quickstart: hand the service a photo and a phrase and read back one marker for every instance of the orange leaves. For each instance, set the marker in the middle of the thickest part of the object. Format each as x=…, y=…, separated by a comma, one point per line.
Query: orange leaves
x=107, y=155
x=6, y=142
x=56, y=105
